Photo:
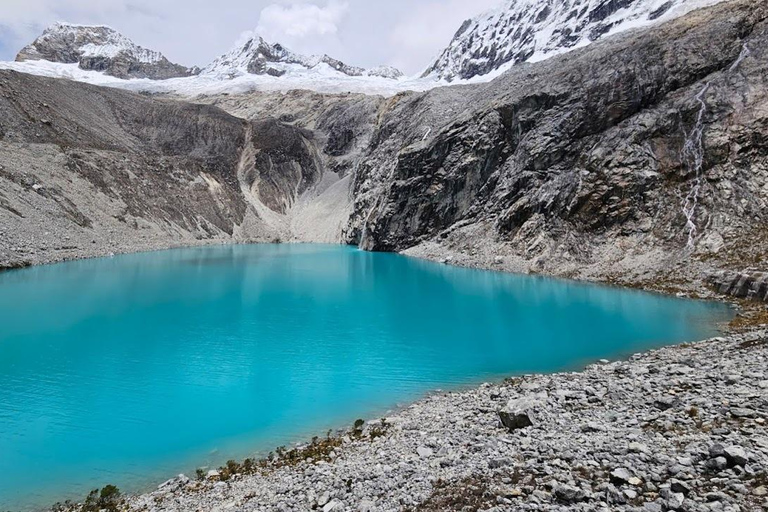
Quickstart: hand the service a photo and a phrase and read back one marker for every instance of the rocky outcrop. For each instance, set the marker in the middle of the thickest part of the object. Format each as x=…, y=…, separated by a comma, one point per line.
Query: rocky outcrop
x=390, y=72
x=285, y=163
x=649, y=146
x=748, y=284
x=100, y=48
x=531, y=30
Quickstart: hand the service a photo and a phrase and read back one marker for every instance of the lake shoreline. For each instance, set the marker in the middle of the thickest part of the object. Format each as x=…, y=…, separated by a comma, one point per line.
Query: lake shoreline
x=440, y=471
x=677, y=426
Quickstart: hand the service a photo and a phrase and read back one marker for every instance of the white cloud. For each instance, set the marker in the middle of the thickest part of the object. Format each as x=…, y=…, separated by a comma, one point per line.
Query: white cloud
x=301, y=20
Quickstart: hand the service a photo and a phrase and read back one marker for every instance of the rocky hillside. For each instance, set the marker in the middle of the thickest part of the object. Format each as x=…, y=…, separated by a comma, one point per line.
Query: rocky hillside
x=100, y=48
x=532, y=30
x=86, y=170
x=639, y=156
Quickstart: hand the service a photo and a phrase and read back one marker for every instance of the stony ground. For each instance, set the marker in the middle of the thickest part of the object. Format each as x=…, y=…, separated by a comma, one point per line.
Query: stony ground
x=681, y=428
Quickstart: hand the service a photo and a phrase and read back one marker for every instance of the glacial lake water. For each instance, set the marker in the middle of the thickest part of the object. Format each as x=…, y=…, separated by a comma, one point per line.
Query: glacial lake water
x=132, y=369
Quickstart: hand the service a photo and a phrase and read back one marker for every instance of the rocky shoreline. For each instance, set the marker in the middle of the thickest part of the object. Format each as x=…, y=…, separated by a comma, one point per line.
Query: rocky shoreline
x=679, y=428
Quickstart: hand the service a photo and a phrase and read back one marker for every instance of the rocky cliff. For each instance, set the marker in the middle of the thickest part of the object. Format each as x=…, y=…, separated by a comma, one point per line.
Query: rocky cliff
x=87, y=170
x=641, y=155
x=100, y=48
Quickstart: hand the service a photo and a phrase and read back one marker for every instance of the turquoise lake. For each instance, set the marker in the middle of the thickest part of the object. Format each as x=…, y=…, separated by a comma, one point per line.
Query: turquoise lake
x=132, y=369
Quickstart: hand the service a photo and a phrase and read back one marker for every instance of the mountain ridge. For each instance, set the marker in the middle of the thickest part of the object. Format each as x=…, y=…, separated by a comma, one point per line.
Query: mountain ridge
x=257, y=56
x=100, y=48
x=520, y=31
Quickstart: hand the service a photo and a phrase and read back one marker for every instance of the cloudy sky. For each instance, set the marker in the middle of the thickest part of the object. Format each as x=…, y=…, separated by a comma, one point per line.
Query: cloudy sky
x=404, y=33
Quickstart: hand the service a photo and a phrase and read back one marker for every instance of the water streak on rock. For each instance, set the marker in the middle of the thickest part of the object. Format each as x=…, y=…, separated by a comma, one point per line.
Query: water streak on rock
x=693, y=154
x=693, y=159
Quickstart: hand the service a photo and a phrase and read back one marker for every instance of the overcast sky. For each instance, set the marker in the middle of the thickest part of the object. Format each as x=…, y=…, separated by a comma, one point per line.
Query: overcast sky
x=403, y=33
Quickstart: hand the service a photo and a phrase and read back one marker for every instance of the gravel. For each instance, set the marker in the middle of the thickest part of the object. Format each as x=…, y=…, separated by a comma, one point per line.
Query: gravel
x=599, y=442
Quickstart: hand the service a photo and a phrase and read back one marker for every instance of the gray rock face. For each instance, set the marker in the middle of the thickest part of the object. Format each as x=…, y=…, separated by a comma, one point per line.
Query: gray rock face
x=88, y=170
x=749, y=284
x=99, y=48
x=584, y=159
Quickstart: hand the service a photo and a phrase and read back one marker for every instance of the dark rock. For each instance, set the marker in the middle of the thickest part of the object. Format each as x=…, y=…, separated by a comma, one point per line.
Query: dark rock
x=519, y=413
x=716, y=450
x=679, y=486
x=568, y=494
x=736, y=455
x=665, y=403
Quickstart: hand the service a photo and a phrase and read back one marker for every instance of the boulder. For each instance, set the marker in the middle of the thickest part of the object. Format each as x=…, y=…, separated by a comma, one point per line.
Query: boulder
x=568, y=494
x=519, y=413
x=736, y=455
x=424, y=452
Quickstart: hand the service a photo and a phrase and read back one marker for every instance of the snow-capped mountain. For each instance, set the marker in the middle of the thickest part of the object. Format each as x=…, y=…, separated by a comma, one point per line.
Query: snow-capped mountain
x=484, y=47
x=100, y=48
x=532, y=30
x=258, y=57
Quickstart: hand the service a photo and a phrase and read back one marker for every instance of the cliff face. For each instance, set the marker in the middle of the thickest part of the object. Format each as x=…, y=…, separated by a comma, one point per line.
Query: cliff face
x=642, y=158
x=651, y=143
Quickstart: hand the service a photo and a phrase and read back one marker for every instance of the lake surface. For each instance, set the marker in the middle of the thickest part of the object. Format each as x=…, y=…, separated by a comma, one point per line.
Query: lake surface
x=132, y=369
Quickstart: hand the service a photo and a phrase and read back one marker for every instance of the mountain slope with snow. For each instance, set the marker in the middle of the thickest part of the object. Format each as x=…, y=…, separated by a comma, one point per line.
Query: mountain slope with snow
x=484, y=47
x=100, y=55
x=100, y=48
x=532, y=30
x=258, y=57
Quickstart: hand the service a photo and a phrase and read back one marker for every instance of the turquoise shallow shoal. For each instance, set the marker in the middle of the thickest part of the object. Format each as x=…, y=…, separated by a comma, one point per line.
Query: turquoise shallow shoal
x=132, y=369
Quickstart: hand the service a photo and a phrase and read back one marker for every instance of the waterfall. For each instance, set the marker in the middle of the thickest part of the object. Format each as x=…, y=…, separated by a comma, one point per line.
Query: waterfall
x=693, y=154
x=693, y=158
x=745, y=52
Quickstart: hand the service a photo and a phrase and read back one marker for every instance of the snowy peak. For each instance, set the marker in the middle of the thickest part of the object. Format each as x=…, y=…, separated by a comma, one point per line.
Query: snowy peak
x=100, y=48
x=256, y=56
x=531, y=30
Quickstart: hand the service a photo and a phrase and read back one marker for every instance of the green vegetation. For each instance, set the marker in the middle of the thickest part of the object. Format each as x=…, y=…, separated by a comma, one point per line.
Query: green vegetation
x=107, y=499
